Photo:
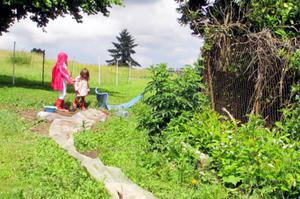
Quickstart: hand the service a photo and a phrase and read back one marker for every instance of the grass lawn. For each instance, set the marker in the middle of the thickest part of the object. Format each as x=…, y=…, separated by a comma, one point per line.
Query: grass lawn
x=33, y=166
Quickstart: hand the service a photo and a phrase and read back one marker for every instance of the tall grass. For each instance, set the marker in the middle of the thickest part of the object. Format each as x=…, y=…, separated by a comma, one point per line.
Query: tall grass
x=32, y=73
x=20, y=58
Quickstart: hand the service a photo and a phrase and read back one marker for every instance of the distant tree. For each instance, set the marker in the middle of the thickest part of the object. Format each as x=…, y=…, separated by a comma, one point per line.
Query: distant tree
x=37, y=50
x=123, y=50
x=40, y=11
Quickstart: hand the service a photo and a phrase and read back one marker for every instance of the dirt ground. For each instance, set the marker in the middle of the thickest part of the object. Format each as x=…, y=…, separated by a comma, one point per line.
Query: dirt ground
x=29, y=114
x=41, y=127
x=92, y=154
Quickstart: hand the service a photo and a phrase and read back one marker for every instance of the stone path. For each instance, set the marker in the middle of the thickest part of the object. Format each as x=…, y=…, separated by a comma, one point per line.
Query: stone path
x=62, y=129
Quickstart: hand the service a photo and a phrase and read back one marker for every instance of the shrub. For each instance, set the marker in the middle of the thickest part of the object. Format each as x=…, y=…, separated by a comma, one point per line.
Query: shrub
x=250, y=158
x=258, y=160
x=291, y=124
x=170, y=96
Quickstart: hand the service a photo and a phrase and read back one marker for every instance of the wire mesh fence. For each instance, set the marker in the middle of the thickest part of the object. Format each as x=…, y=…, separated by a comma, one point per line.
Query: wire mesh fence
x=237, y=95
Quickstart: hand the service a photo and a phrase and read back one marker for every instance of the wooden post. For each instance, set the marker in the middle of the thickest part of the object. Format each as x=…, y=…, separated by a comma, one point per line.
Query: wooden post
x=14, y=63
x=43, y=69
x=257, y=105
x=99, y=72
x=117, y=73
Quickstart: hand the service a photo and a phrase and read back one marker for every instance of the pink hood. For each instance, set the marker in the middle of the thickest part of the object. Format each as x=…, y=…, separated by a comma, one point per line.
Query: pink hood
x=60, y=72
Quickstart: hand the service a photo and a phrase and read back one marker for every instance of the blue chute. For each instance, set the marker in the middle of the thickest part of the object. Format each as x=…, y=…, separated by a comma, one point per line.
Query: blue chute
x=102, y=99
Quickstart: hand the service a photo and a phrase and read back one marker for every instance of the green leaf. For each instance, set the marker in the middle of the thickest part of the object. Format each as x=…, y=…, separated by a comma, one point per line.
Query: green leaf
x=232, y=179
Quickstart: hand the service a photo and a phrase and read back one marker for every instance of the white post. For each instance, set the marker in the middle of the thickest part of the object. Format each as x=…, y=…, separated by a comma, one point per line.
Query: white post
x=43, y=69
x=117, y=73
x=72, y=63
x=129, y=72
x=99, y=72
x=14, y=63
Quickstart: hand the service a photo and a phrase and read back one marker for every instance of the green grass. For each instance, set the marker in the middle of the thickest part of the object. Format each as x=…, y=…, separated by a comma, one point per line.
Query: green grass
x=32, y=166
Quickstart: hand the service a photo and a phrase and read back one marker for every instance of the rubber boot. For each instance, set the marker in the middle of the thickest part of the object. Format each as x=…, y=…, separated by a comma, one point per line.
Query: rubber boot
x=60, y=106
x=82, y=104
x=75, y=103
x=58, y=103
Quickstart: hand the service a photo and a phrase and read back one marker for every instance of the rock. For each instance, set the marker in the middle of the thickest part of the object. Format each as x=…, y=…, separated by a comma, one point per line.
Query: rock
x=203, y=159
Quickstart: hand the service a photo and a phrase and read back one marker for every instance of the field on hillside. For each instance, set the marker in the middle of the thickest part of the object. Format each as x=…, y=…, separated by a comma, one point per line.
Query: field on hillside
x=29, y=74
x=32, y=165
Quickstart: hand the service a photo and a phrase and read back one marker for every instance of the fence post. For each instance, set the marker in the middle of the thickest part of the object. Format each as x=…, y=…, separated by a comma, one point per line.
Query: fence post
x=129, y=72
x=117, y=73
x=43, y=69
x=14, y=63
x=99, y=72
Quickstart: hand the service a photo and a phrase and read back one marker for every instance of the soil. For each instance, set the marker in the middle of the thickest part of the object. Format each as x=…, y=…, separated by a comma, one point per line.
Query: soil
x=29, y=114
x=42, y=128
x=92, y=154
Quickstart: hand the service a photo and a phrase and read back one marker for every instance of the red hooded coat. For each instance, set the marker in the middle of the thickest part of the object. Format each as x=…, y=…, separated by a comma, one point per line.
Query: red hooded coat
x=60, y=72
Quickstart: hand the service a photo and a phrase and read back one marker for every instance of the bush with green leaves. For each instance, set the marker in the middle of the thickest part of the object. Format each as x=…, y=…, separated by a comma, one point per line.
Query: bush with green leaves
x=170, y=96
x=291, y=123
x=250, y=158
x=258, y=160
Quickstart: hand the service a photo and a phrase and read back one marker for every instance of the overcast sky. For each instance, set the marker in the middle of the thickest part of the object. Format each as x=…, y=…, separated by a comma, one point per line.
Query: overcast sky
x=153, y=24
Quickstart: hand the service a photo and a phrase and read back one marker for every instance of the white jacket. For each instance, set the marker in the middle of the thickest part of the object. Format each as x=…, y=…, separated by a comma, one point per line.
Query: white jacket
x=81, y=86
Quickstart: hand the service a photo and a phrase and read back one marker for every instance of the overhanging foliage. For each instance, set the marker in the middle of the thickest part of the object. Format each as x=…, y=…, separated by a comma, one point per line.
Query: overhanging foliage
x=41, y=11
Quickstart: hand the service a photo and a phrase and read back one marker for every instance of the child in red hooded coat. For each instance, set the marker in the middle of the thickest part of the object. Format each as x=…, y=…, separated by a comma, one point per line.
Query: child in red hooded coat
x=60, y=78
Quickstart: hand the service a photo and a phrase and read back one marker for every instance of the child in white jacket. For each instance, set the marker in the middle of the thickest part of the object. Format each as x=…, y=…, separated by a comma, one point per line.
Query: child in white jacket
x=81, y=88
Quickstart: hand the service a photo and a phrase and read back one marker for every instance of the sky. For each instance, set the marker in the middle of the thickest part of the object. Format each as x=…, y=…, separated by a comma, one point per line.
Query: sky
x=152, y=23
